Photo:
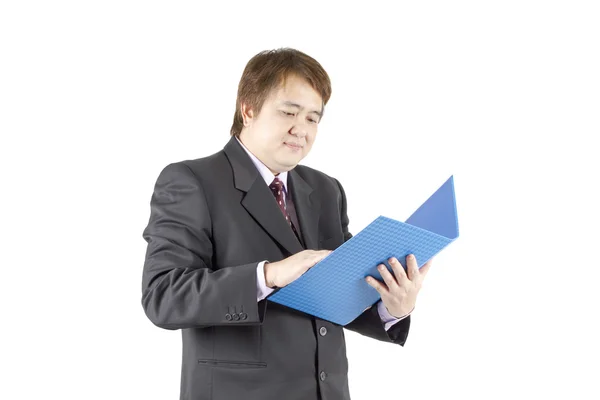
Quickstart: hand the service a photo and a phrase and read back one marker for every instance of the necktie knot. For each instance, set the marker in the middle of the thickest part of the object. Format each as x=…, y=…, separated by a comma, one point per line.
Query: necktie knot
x=276, y=183
x=276, y=187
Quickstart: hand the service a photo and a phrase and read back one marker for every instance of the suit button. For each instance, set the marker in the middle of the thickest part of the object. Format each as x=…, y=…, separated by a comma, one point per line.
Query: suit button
x=228, y=317
x=243, y=316
x=323, y=375
x=323, y=331
x=236, y=317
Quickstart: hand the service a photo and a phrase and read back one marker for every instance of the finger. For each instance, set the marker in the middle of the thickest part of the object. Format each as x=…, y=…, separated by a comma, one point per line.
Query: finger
x=387, y=276
x=412, y=267
x=398, y=271
x=425, y=268
x=324, y=254
x=314, y=260
x=380, y=287
x=321, y=255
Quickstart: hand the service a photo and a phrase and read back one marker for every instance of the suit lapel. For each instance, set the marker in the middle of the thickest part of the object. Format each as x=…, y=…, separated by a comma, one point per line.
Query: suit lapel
x=308, y=208
x=259, y=201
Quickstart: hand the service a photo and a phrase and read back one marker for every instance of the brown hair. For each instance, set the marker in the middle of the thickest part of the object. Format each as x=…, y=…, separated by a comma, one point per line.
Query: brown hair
x=269, y=70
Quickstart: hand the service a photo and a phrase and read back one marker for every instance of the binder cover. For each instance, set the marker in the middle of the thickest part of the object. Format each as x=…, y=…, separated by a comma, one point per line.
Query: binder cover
x=335, y=288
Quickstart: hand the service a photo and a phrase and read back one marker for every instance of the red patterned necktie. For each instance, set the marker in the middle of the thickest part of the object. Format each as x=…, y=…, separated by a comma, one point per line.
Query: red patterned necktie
x=277, y=189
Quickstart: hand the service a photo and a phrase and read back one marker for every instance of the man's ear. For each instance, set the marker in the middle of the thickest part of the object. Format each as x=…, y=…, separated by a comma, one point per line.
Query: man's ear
x=247, y=114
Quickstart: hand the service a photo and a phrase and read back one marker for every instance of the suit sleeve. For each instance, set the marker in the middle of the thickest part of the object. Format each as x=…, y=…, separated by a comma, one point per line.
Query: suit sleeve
x=369, y=323
x=180, y=286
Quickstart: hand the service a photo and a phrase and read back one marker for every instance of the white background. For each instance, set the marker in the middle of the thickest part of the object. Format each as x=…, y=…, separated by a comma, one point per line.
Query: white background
x=97, y=97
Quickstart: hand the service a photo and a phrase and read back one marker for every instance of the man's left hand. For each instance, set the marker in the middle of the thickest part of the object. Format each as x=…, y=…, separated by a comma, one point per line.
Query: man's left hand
x=399, y=293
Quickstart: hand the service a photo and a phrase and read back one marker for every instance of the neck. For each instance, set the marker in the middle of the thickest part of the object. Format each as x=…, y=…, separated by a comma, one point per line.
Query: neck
x=254, y=153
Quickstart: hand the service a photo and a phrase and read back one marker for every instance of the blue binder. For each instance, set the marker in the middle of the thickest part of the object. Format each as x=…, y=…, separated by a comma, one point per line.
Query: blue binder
x=335, y=288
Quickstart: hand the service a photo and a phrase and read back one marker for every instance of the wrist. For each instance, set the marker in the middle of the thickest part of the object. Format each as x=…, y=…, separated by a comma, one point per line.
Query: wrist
x=268, y=279
x=403, y=314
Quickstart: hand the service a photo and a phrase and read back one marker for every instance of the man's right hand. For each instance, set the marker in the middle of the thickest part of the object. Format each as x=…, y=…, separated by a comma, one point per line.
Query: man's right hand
x=284, y=272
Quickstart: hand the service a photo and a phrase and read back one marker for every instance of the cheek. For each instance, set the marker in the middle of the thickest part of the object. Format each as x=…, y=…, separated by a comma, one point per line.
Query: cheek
x=312, y=135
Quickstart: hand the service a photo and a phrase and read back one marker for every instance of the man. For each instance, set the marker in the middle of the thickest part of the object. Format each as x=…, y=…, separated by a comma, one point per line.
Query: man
x=227, y=229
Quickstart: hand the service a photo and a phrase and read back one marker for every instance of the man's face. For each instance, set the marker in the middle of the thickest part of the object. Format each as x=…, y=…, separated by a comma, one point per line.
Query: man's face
x=284, y=131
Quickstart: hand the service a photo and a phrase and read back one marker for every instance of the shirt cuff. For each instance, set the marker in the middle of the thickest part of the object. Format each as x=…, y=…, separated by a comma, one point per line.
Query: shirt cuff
x=262, y=290
x=388, y=319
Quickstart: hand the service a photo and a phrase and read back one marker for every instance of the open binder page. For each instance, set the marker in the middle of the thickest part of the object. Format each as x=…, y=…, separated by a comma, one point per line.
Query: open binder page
x=335, y=289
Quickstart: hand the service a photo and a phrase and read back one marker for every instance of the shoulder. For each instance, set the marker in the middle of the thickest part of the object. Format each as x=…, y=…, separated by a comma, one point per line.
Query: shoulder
x=197, y=168
x=319, y=180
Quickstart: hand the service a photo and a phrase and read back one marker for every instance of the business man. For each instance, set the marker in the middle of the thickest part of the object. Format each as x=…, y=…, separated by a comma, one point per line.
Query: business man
x=228, y=229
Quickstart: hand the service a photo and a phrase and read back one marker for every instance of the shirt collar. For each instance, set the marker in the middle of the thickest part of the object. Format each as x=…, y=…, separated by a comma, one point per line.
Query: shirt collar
x=263, y=170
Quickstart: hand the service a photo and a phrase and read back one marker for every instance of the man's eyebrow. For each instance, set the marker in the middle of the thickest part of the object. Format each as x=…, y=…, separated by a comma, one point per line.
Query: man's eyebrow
x=291, y=104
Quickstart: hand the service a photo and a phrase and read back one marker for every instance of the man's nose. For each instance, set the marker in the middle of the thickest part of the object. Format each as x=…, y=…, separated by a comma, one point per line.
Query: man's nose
x=298, y=130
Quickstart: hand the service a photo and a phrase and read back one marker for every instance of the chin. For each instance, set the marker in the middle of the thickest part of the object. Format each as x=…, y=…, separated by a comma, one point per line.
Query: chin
x=288, y=165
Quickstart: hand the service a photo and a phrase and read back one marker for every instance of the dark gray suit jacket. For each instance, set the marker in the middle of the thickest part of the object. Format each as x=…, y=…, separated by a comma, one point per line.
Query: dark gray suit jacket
x=212, y=221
